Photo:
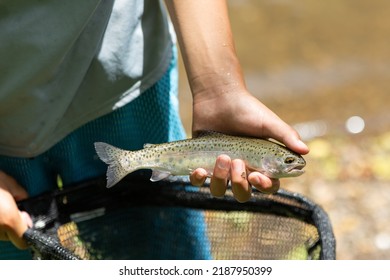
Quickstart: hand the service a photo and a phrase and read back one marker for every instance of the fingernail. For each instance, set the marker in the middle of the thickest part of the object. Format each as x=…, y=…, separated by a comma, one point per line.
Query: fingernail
x=201, y=175
x=301, y=143
x=238, y=166
x=256, y=181
x=302, y=146
x=223, y=163
x=26, y=218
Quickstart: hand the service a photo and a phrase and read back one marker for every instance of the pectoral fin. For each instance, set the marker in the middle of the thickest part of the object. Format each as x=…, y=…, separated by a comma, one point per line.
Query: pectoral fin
x=158, y=175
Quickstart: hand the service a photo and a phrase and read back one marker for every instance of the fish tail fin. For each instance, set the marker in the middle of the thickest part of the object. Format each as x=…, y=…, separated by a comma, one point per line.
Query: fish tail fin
x=112, y=155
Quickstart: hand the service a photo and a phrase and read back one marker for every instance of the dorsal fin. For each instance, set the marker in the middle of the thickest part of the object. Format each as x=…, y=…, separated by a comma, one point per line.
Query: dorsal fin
x=206, y=133
x=148, y=145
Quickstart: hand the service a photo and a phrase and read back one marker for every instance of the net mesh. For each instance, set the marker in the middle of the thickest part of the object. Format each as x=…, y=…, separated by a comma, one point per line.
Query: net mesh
x=89, y=221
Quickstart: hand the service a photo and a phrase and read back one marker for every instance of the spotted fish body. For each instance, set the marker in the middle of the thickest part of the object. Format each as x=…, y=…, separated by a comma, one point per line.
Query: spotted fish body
x=184, y=156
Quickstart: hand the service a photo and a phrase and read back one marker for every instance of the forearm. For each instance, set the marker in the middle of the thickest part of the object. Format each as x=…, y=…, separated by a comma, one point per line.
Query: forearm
x=207, y=46
x=221, y=101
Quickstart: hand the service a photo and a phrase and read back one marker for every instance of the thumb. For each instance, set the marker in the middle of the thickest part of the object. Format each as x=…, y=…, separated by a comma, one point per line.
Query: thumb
x=293, y=141
x=277, y=129
x=15, y=235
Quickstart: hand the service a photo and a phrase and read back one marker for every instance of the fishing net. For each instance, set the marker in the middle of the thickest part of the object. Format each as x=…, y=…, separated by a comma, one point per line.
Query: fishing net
x=89, y=221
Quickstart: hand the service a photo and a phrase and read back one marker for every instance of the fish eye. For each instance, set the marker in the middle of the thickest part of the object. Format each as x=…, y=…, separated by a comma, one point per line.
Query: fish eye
x=289, y=160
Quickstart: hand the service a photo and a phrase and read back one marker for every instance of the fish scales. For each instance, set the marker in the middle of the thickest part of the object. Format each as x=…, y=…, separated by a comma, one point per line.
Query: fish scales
x=184, y=156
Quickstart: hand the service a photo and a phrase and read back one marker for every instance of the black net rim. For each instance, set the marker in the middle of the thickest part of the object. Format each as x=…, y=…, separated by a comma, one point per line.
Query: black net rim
x=59, y=205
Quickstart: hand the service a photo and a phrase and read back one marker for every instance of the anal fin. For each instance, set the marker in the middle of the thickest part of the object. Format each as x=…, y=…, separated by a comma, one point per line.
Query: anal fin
x=158, y=175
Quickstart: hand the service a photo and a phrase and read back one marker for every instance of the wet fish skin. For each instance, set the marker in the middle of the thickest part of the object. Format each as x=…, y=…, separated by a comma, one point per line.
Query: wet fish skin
x=184, y=156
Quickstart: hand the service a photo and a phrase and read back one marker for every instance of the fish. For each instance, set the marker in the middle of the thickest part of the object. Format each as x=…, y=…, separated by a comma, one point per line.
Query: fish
x=179, y=158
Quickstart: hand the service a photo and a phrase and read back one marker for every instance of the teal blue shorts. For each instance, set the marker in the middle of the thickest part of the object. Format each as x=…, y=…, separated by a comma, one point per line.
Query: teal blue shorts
x=153, y=117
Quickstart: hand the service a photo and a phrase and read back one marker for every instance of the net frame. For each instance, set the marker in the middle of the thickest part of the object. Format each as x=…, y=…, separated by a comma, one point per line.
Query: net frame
x=51, y=210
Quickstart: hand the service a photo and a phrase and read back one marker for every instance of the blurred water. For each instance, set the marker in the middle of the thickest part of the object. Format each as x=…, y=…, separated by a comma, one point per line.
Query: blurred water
x=303, y=79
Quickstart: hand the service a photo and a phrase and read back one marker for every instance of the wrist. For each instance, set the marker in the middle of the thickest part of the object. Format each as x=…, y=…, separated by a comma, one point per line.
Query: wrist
x=216, y=83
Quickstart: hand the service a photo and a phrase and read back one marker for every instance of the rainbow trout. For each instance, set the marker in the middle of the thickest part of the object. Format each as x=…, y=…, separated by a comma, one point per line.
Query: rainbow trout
x=184, y=156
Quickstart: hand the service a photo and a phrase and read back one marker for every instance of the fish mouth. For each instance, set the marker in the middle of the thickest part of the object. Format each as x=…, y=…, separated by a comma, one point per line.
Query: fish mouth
x=296, y=169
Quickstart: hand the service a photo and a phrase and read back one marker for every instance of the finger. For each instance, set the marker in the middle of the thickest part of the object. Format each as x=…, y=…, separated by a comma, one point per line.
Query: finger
x=263, y=183
x=10, y=184
x=198, y=177
x=294, y=142
x=12, y=221
x=288, y=136
x=276, y=128
x=15, y=231
x=17, y=238
x=219, y=180
x=26, y=218
x=241, y=189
